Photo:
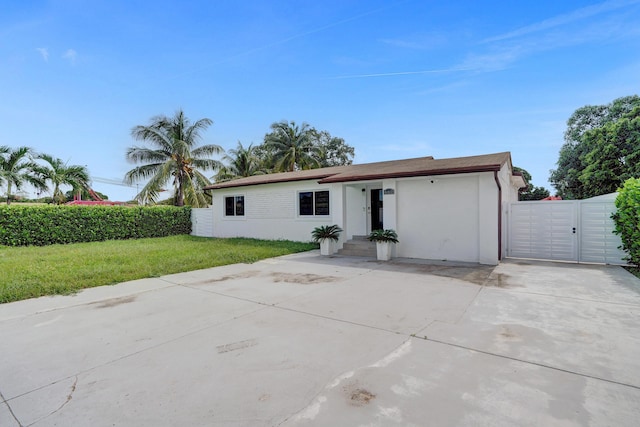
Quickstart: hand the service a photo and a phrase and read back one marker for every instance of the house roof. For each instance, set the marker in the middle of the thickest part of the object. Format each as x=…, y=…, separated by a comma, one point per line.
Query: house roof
x=421, y=166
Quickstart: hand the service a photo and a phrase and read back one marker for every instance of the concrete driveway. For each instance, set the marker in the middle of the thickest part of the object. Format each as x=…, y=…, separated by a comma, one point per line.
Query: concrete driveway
x=305, y=340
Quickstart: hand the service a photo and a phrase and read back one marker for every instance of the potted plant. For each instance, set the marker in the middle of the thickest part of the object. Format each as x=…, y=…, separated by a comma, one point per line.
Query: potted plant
x=327, y=235
x=383, y=239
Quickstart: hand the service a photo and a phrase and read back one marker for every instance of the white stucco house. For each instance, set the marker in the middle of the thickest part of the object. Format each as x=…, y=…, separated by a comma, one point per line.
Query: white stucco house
x=442, y=209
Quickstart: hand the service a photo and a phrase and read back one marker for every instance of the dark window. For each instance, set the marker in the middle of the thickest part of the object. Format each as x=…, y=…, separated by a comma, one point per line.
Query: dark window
x=239, y=205
x=234, y=206
x=313, y=203
x=306, y=203
x=322, y=203
x=228, y=206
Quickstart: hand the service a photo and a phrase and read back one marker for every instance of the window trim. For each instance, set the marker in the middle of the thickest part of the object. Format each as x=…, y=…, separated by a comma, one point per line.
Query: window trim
x=314, y=207
x=235, y=214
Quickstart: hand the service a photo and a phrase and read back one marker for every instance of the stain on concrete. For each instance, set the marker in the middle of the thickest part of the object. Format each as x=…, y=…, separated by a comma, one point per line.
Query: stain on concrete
x=234, y=346
x=302, y=279
x=361, y=397
x=243, y=275
x=356, y=394
x=498, y=280
x=477, y=275
x=112, y=302
x=508, y=333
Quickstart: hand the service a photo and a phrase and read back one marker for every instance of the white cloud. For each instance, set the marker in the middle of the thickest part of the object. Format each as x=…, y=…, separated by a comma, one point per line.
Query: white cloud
x=564, y=19
x=555, y=33
x=492, y=61
x=405, y=73
x=418, y=42
x=71, y=55
x=44, y=53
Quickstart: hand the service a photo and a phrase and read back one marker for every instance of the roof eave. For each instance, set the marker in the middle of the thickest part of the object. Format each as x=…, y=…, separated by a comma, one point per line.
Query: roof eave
x=232, y=184
x=449, y=171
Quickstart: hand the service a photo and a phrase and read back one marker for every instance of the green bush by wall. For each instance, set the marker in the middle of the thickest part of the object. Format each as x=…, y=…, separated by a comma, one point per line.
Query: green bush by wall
x=627, y=219
x=47, y=225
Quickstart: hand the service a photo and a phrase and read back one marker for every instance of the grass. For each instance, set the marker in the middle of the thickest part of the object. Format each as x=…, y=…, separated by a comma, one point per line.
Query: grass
x=34, y=271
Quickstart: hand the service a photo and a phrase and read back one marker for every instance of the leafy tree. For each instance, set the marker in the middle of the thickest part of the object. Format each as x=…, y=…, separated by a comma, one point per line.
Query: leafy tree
x=627, y=219
x=241, y=162
x=59, y=173
x=17, y=168
x=174, y=155
x=292, y=146
x=531, y=192
x=265, y=155
x=614, y=154
x=313, y=148
x=572, y=159
x=335, y=152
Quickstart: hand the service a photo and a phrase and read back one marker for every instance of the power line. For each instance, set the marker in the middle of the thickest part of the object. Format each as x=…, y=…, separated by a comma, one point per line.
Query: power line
x=112, y=181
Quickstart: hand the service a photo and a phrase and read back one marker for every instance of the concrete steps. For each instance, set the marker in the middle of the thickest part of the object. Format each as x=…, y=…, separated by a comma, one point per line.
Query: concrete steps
x=358, y=246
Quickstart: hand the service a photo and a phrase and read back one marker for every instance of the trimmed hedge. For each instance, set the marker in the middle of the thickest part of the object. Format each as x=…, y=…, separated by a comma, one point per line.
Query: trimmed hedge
x=48, y=225
x=627, y=219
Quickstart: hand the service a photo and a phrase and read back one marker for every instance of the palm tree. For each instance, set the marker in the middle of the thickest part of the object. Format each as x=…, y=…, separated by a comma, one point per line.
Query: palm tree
x=60, y=173
x=173, y=155
x=242, y=162
x=18, y=167
x=293, y=146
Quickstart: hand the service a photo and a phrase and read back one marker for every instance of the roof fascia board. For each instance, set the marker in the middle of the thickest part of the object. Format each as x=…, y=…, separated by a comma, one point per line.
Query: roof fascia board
x=374, y=177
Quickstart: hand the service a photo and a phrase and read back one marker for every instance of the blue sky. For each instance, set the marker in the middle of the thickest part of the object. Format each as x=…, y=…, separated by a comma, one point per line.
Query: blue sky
x=395, y=79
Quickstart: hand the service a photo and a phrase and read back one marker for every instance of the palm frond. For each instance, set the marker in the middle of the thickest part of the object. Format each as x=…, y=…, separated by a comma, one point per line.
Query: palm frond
x=142, y=154
x=175, y=156
x=207, y=150
x=143, y=172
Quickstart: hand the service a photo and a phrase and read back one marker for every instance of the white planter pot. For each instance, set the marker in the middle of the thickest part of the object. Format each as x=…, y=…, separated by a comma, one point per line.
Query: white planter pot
x=327, y=247
x=383, y=250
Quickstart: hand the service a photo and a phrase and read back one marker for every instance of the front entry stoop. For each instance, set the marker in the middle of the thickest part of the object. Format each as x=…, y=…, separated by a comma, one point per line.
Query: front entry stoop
x=358, y=246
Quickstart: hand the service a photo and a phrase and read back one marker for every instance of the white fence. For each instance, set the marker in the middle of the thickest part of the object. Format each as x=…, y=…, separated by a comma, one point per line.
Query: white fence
x=202, y=222
x=576, y=230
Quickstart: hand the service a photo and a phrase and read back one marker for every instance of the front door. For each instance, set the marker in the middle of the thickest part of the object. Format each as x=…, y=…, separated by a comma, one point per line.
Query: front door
x=376, y=210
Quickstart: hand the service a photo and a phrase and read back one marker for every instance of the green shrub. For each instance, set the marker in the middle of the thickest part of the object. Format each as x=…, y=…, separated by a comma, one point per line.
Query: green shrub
x=388, y=235
x=323, y=232
x=627, y=219
x=47, y=225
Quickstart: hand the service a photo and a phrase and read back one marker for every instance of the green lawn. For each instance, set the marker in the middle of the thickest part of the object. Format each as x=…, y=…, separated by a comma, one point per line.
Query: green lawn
x=28, y=272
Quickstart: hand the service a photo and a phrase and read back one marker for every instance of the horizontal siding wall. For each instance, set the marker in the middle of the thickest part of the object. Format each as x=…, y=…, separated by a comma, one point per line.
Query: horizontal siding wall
x=271, y=211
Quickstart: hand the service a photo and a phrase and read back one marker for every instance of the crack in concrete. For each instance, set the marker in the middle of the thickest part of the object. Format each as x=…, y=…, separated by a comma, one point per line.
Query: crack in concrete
x=10, y=410
x=542, y=365
x=117, y=359
x=69, y=397
x=464, y=312
x=573, y=298
x=80, y=304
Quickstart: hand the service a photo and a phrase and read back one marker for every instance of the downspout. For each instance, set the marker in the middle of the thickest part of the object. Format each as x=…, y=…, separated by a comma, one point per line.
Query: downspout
x=207, y=192
x=495, y=176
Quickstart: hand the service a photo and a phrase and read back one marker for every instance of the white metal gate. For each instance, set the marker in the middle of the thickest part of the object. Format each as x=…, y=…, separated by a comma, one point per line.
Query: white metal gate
x=577, y=230
x=202, y=222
